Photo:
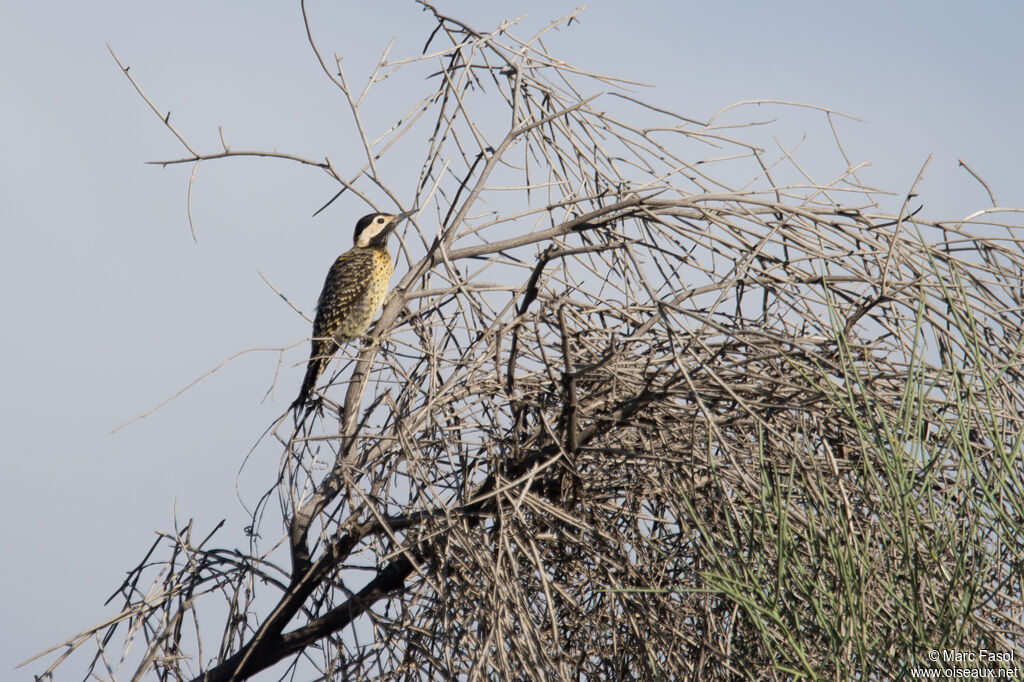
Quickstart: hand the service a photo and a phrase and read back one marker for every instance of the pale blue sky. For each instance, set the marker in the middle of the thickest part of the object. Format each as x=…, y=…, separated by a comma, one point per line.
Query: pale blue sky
x=110, y=307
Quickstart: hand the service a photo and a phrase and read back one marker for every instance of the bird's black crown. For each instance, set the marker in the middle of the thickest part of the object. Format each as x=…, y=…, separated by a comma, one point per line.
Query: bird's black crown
x=370, y=222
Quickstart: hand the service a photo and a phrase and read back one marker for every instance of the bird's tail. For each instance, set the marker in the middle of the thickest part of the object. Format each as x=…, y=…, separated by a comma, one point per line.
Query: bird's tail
x=313, y=368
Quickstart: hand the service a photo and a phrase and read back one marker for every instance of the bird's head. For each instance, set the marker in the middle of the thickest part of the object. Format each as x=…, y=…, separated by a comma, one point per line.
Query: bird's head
x=375, y=228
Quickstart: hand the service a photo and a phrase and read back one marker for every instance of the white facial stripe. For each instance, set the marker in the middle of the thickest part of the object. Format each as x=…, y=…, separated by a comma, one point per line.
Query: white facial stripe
x=373, y=229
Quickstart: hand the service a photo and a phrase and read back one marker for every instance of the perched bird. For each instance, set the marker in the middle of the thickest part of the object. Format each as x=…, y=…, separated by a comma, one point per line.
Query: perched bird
x=353, y=293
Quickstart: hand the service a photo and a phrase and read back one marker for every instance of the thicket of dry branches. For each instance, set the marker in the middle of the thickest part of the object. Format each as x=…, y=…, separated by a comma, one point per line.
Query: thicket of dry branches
x=650, y=404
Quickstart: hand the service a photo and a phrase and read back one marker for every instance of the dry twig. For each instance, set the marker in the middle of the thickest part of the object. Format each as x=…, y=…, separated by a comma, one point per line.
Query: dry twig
x=616, y=380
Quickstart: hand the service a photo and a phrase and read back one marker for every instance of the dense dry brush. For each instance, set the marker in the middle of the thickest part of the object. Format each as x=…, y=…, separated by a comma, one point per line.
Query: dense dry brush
x=649, y=402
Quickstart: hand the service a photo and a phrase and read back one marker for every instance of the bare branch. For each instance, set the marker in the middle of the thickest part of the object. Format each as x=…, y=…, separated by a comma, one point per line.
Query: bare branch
x=647, y=401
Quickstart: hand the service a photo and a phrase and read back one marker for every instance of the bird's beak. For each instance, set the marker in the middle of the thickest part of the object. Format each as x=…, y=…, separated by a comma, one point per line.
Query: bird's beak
x=402, y=216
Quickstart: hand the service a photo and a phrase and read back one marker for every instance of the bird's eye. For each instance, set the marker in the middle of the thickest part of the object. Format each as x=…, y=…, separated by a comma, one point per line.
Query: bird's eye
x=380, y=219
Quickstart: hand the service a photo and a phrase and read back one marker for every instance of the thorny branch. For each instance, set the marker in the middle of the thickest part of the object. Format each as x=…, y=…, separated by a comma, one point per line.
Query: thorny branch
x=608, y=371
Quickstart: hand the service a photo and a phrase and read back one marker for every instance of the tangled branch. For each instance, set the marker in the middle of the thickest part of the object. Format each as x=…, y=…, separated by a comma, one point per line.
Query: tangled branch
x=652, y=403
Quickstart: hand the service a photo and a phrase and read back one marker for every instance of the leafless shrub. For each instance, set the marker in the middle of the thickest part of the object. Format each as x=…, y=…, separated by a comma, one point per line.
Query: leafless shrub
x=651, y=404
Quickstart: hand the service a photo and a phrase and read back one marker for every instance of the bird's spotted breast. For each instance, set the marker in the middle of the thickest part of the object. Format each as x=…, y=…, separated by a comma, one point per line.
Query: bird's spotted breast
x=365, y=309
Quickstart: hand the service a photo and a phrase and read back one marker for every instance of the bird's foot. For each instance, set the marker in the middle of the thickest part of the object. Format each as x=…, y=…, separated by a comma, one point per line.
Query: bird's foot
x=391, y=294
x=371, y=340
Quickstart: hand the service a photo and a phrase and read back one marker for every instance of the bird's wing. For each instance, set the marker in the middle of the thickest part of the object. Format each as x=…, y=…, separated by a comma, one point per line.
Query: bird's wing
x=346, y=283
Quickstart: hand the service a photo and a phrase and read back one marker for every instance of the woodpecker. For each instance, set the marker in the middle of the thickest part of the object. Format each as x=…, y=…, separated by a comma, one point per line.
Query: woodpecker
x=352, y=295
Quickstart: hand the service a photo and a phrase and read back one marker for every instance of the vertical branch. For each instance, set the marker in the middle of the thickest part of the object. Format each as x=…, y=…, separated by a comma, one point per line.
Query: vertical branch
x=713, y=363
